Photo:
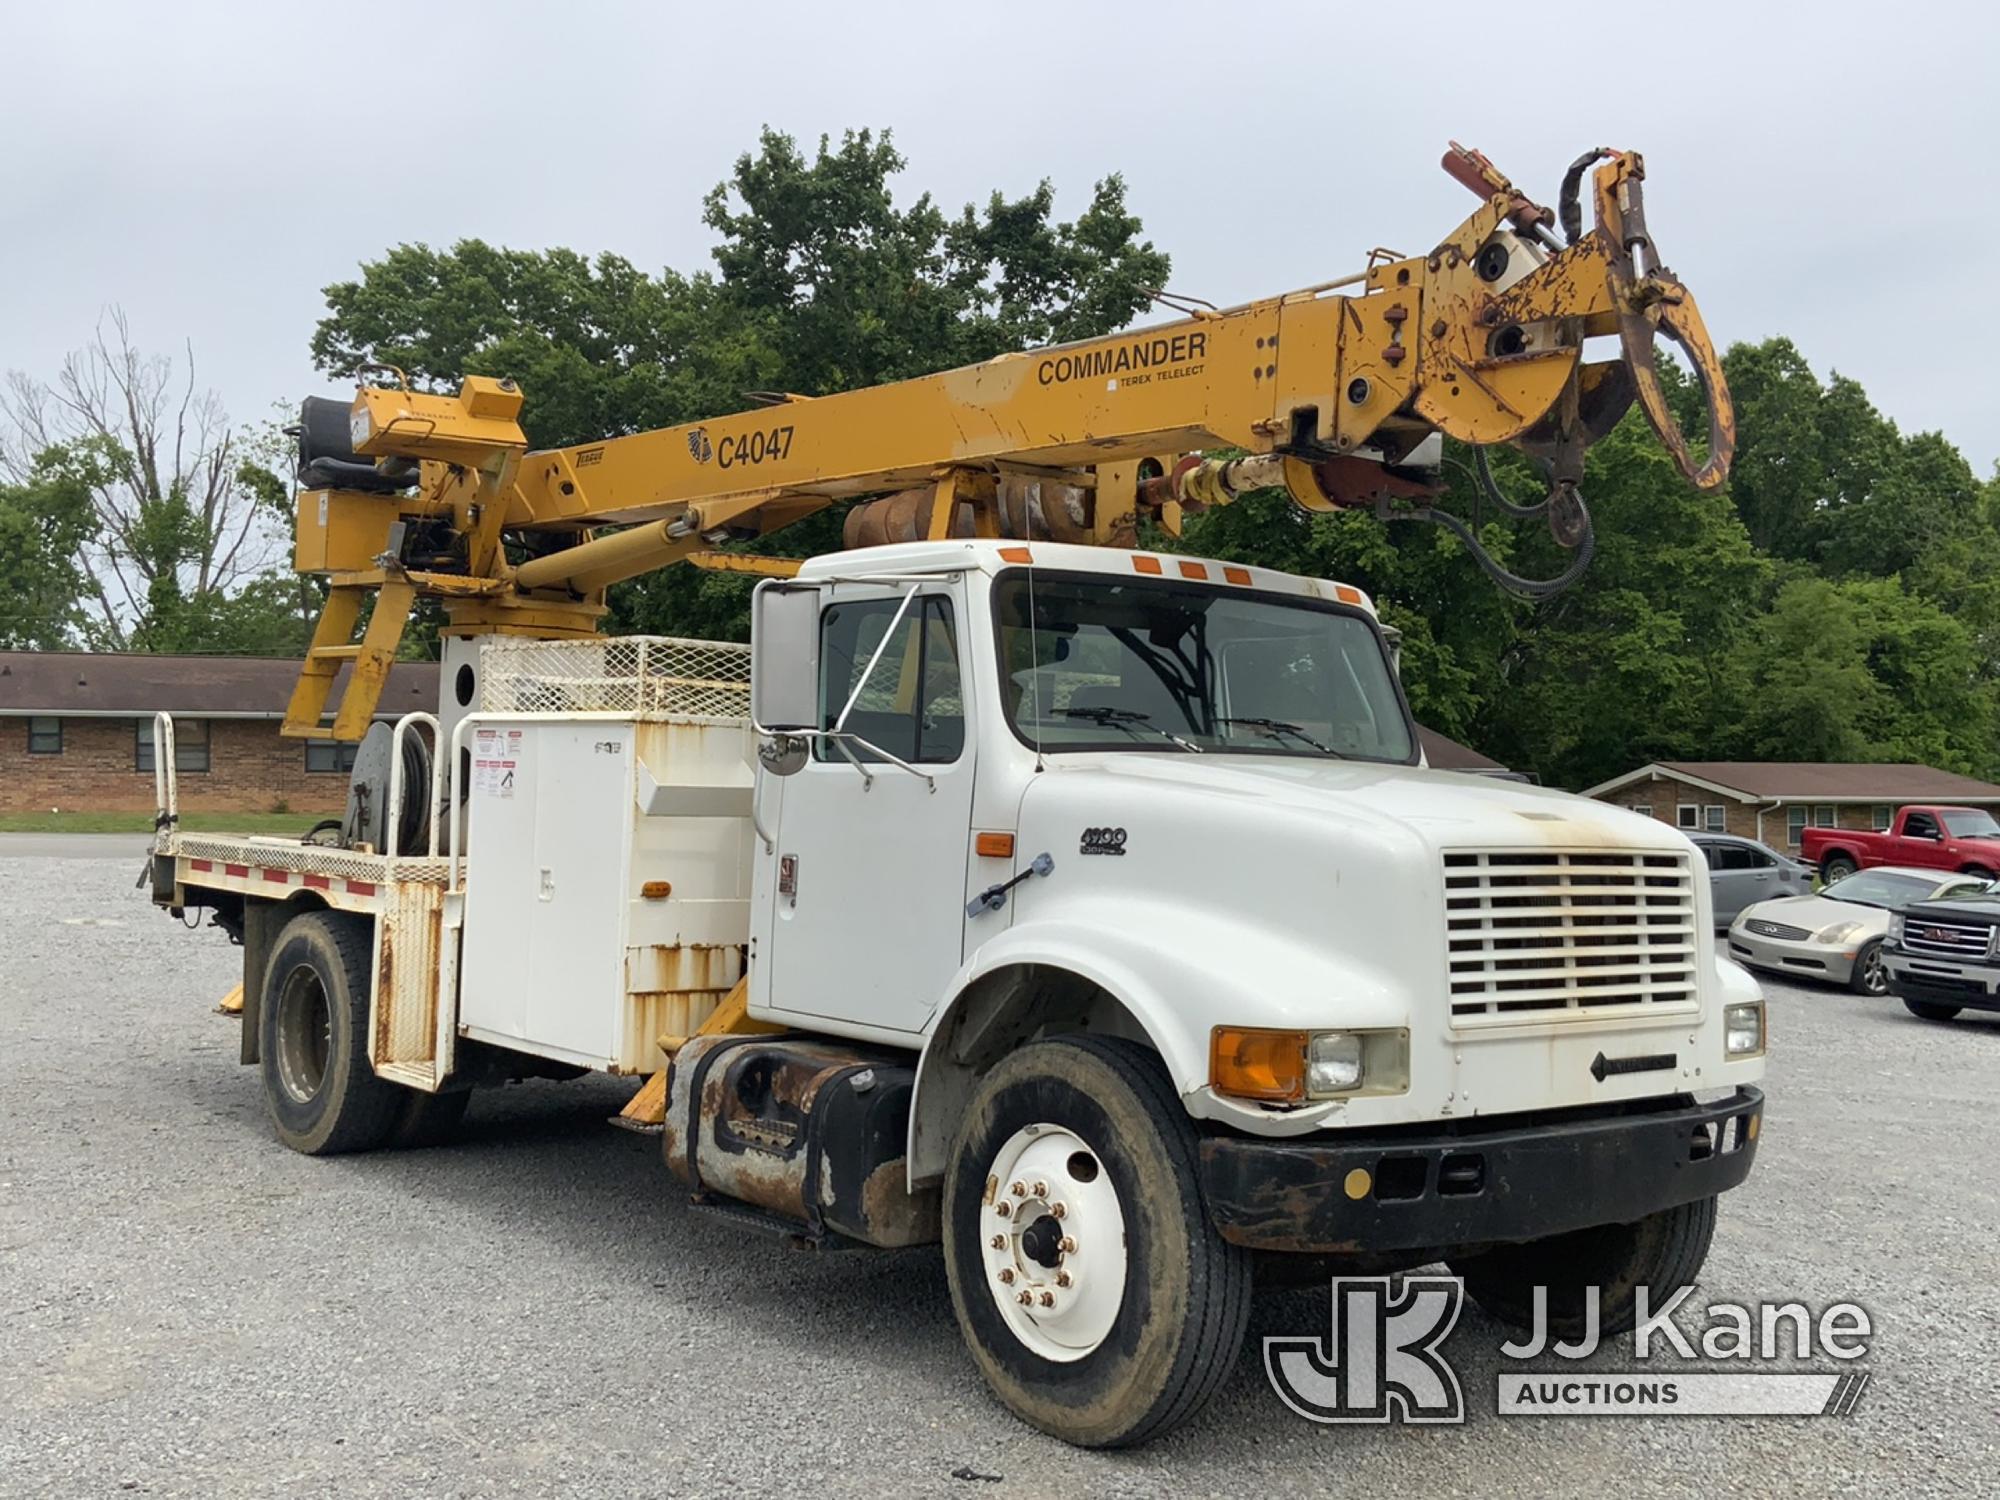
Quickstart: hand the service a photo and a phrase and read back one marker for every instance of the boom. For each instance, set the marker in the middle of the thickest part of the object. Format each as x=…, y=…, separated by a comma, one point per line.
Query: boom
x=1337, y=392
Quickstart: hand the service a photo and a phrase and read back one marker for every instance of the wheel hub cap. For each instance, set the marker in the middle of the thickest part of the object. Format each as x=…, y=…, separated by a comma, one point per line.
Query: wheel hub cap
x=1052, y=1240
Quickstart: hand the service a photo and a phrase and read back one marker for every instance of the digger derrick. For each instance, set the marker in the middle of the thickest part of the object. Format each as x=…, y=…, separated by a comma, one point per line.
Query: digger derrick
x=1336, y=392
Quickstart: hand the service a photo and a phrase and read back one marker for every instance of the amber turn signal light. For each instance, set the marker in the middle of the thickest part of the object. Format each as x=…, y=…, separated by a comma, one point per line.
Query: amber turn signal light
x=1250, y=1063
x=995, y=845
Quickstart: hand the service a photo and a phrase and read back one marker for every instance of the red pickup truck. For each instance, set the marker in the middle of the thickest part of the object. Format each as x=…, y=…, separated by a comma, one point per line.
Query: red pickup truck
x=1930, y=838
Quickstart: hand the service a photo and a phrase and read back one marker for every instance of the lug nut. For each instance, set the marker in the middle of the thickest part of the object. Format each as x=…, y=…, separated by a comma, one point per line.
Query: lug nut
x=1058, y=1210
x=1019, y=1190
x=999, y=1242
x=1048, y=1299
x=1026, y=1299
x=1003, y=1208
x=1006, y=1275
x=1041, y=1190
x=1062, y=1278
x=1067, y=1245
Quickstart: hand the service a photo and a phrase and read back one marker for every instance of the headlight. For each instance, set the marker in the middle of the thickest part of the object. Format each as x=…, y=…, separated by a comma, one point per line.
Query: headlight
x=1839, y=932
x=1289, y=1067
x=1895, y=927
x=1333, y=1062
x=1743, y=1029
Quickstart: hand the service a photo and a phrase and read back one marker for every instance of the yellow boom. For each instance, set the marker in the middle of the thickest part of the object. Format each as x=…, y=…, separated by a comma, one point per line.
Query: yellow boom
x=1331, y=391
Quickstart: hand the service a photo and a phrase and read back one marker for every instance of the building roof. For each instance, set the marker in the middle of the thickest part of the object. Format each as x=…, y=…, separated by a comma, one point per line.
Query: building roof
x=1813, y=781
x=1449, y=755
x=82, y=684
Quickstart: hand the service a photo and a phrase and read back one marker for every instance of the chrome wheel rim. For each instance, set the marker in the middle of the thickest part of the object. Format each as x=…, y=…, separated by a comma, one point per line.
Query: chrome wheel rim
x=1874, y=977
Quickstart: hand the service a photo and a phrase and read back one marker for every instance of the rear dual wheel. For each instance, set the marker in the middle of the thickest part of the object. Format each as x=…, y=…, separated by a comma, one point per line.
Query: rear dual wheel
x=322, y=1092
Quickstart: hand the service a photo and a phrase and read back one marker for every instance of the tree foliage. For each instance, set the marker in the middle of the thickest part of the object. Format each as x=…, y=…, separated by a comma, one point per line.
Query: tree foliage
x=184, y=507
x=45, y=523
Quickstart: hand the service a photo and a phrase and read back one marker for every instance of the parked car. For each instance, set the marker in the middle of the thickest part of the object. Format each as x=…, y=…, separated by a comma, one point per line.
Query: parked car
x=1838, y=934
x=1924, y=838
x=1943, y=956
x=1742, y=872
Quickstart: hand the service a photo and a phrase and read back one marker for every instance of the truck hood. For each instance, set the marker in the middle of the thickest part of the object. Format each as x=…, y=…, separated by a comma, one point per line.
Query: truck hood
x=1441, y=809
x=1298, y=893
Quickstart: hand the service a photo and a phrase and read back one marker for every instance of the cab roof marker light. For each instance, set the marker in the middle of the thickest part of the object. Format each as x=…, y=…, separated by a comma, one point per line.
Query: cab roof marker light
x=1142, y=564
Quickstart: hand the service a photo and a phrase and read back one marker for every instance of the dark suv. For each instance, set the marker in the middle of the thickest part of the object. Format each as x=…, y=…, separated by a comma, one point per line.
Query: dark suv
x=1941, y=956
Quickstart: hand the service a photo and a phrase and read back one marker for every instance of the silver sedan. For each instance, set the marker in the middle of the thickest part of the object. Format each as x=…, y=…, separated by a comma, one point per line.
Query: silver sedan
x=1836, y=935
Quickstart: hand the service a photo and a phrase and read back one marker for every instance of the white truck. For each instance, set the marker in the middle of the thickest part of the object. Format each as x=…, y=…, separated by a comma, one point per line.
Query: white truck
x=1089, y=910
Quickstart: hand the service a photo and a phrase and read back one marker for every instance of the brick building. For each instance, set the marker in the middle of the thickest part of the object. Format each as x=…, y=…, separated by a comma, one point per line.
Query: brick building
x=76, y=732
x=1774, y=801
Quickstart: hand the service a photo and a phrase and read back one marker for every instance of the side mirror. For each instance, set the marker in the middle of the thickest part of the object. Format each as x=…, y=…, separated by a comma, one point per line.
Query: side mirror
x=784, y=656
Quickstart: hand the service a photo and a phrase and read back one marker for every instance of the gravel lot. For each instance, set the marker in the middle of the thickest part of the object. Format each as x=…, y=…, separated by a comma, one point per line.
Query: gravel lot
x=188, y=1309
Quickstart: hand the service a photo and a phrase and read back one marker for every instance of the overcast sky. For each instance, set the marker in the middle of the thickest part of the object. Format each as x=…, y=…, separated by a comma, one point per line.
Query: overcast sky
x=1823, y=171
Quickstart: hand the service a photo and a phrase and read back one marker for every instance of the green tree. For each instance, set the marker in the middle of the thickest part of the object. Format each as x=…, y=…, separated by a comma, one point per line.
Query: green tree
x=185, y=506
x=822, y=282
x=45, y=523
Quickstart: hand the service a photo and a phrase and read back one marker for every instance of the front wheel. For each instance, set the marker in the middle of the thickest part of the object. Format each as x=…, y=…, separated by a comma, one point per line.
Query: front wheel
x=1662, y=1252
x=1870, y=977
x=1090, y=1284
x=1925, y=1010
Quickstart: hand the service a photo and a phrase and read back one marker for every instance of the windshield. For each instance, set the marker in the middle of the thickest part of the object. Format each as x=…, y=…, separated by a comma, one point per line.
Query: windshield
x=1879, y=888
x=1965, y=824
x=1149, y=664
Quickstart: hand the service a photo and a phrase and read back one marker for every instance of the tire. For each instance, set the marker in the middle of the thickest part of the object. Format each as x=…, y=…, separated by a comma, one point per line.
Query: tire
x=1662, y=1252
x=1152, y=1321
x=1836, y=867
x=323, y=1096
x=426, y=1119
x=1869, y=977
x=1926, y=1010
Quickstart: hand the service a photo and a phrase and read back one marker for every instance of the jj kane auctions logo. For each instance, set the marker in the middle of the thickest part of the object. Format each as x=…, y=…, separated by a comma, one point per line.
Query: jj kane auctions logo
x=1383, y=1359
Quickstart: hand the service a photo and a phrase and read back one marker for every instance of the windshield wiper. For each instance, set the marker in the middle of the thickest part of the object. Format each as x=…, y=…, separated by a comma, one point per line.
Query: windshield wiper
x=1128, y=719
x=1277, y=728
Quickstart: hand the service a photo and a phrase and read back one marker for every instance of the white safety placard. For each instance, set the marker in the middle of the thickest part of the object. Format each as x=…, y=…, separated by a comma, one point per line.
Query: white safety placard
x=497, y=761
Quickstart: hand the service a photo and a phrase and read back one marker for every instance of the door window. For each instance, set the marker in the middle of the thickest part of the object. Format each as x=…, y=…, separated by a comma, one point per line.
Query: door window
x=1728, y=857
x=911, y=705
x=1920, y=826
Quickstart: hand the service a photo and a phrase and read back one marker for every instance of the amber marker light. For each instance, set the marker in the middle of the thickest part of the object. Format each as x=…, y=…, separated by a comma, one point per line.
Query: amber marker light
x=1251, y=1063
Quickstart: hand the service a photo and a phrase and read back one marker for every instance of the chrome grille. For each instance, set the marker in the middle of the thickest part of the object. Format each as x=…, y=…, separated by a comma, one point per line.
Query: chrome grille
x=1553, y=934
x=1946, y=939
x=1778, y=930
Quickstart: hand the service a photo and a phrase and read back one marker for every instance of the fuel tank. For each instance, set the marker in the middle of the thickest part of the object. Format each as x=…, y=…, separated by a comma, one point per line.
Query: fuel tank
x=809, y=1133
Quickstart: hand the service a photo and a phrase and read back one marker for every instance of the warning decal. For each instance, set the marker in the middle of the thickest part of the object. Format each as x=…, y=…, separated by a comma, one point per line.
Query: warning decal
x=496, y=761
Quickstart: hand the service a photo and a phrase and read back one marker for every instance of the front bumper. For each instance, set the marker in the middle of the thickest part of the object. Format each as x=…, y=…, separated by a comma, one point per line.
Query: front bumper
x=1478, y=1181
x=1939, y=981
x=1801, y=958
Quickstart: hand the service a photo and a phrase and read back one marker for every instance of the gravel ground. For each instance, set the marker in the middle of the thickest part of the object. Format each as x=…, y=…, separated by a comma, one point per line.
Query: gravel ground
x=188, y=1309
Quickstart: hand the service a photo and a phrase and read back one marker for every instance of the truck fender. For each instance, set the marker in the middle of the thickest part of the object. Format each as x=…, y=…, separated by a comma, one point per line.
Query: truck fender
x=1003, y=993
x=1117, y=978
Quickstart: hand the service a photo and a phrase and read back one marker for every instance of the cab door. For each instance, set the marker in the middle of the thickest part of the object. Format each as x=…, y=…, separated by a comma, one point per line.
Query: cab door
x=869, y=880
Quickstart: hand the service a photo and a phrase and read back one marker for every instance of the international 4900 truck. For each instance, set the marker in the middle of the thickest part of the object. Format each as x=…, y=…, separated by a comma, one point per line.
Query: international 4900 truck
x=1082, y=907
